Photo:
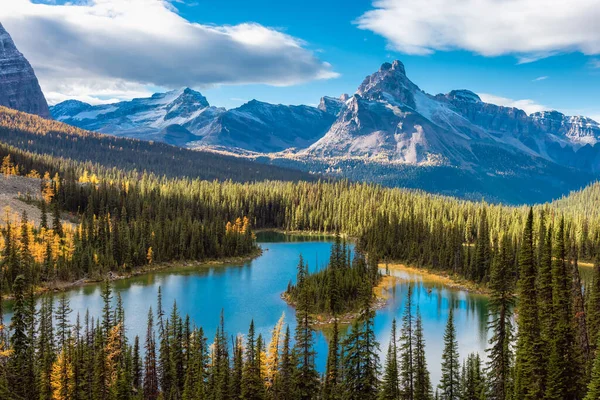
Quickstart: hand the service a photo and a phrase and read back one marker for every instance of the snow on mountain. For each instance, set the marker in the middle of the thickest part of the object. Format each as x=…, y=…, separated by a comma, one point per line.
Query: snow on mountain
x=388, y=125
x=263, y=127
x=390, y=119
x=255, y=126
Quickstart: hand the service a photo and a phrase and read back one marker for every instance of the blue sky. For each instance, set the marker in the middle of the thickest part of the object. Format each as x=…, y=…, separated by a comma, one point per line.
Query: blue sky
x=299, y=51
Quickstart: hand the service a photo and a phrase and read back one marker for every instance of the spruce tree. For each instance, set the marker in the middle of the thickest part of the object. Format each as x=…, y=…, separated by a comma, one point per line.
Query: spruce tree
x=407, y=367
x=530, y=371
x=501, y=306
x=390, y=385
x=422, y=377
x=565, y=367
x=252, y=387
x=150, y=388
x=331, y=382
x=450, y=381
x=306, y=381
x=20, y=368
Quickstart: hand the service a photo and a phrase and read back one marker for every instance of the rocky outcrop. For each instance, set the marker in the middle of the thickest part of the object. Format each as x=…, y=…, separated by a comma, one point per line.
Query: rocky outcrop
x=19, y=87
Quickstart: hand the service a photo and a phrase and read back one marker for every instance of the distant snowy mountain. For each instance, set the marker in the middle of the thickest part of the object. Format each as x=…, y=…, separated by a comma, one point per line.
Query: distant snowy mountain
x=390, y=119
x=255, y=126
x=389, y=131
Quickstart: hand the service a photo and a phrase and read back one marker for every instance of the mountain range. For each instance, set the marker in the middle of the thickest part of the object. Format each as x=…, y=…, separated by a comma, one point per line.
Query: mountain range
x=389, y=131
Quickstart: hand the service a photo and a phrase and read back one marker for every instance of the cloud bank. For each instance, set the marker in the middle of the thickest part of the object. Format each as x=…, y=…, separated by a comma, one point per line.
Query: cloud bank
x=111, y=49
x=528, y=29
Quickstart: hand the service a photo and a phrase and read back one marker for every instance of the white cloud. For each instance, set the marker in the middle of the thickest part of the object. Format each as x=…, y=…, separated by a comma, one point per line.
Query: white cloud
x=527, y=105
x=595, y=63
x=540, y=78
x=528, y=29
x=118, y=48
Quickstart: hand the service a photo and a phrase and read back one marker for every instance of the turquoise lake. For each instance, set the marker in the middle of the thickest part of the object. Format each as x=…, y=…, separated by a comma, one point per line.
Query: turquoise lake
x=252, y=290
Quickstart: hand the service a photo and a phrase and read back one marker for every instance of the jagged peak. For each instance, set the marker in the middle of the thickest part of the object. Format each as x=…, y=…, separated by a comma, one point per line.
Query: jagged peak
x=396, y=65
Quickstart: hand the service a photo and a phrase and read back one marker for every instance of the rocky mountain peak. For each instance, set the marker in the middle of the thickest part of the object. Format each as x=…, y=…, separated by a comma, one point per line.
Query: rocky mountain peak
x=186, y=104
x=389, y=83
x=19, y=87
x=332, y=105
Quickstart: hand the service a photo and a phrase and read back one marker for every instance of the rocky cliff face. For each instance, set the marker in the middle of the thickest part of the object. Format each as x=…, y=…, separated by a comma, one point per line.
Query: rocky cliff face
x=19, y=87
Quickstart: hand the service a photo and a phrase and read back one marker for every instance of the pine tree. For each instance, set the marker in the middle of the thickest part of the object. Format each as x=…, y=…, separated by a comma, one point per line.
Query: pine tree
x=306, y=381
x=20, y=368
x=407, y=367
x=63, y=327
x=565, y=367
x=450, y=380
x=501, y=306
x=422, y=378
x=331, y=382
x=252, y=387
x=473, y=384
x=529, y=365
x=390, y=385
x=361, y=359
x=150, y=369
x=284, y=385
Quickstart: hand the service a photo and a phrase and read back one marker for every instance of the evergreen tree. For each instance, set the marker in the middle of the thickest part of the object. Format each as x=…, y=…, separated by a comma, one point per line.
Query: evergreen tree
x=529, y=365
x=564, y=368
x=252, y=387
x=422, y=378
x=20, y=368
x=501, y=306
x=284, y=385
x=407, y=367
x=331, y=390
x=390, y=385
x=473, y=384
x=150, y=389
x=450, y=380
x=306, y=379
x=361, y=359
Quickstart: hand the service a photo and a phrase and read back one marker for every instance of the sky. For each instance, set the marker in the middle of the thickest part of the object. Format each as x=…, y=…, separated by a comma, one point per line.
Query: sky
x=532, y=54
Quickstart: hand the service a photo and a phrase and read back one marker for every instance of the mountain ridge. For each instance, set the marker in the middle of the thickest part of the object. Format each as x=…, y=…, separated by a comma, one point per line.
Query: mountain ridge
x=381, y=133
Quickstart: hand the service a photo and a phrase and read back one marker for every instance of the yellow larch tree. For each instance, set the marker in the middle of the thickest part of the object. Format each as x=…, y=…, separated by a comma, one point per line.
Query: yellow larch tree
x=271, y=361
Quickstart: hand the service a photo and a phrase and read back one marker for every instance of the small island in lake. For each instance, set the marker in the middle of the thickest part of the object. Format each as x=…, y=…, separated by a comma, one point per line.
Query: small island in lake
x=341, y=289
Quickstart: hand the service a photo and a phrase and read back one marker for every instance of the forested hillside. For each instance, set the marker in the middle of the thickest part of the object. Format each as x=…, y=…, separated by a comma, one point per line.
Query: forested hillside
x=126, y=219
x=41, y=136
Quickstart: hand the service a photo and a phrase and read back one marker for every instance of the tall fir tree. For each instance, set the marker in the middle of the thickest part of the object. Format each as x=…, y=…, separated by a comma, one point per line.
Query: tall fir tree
x=450, y=381
x=306, y=380
x=422, y=378
x=390, y=384
x=530, y=372
x=501, y=305
x=564, y=368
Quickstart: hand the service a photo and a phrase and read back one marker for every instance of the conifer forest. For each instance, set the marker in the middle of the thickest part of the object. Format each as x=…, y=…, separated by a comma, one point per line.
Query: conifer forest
x=128, y=214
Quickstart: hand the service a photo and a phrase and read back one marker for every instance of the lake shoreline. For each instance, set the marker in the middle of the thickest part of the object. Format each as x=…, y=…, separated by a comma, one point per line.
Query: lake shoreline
x=436, y=276
x=62, y=286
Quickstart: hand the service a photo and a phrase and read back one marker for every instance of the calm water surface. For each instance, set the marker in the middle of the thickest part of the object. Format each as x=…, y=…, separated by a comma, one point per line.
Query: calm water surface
x=252, y=290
